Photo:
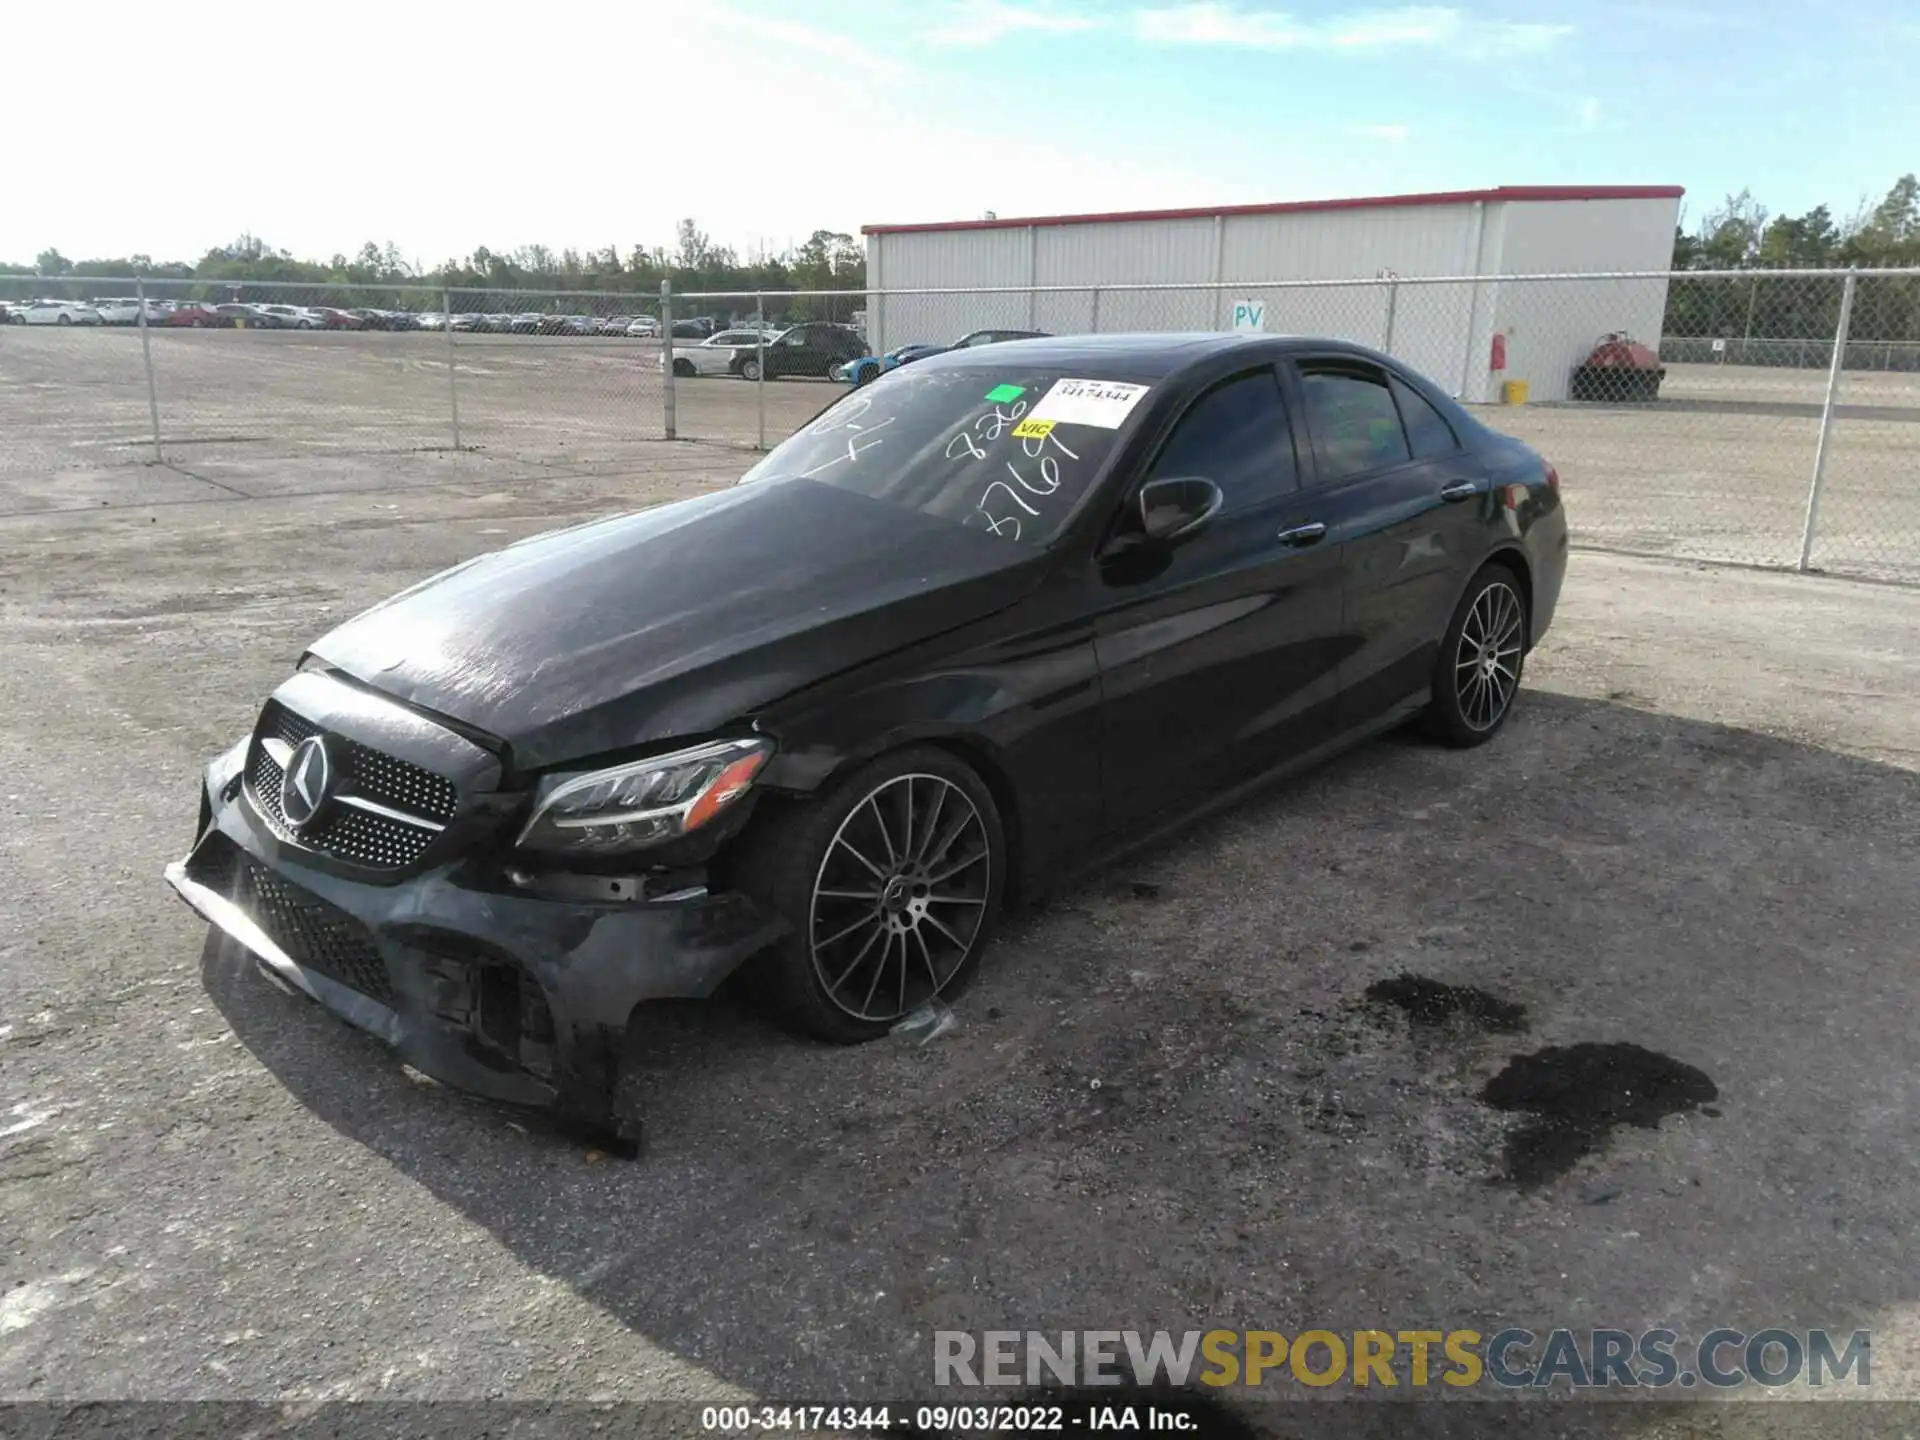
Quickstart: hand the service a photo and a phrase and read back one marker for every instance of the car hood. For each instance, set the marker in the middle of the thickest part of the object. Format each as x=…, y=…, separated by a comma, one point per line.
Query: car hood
x=675, y=621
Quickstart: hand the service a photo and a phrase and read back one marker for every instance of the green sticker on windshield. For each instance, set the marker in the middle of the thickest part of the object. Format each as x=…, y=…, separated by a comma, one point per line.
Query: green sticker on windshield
x=1003, y=394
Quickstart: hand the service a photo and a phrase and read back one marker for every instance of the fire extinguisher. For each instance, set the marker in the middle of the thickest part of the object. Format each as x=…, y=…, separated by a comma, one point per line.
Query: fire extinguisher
x=1499, y=360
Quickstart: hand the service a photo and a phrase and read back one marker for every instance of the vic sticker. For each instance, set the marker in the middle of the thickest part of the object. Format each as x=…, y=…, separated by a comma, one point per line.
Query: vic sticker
x=1033, y=429
x=1103, y=403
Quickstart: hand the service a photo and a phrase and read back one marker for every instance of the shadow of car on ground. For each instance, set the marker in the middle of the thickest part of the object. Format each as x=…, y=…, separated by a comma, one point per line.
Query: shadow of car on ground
x=1171, y=1104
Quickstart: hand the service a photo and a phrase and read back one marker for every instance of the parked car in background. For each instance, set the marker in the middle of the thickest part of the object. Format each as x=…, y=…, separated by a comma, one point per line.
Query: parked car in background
x=690, y=330
x=817, y=348
x=717, y=354
x=616, y=324
x=644, y=327
x=335, y=319
x=527, y=324
x=372, y=319
x=467, y=322
x=11, y=313
x=124, y=310
x=233, y=314
x=430, y=320
x=870, y=367
x=60, y=312
x=294, y=317
x=191, y=315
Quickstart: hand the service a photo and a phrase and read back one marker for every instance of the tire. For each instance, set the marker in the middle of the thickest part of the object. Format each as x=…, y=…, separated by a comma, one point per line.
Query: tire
x=865, y=375
x=750, y=371
x=851, y=870
x=684, y=369
x=1476, y=675
x=829, y=366
x=64, y=320
x=303, y=325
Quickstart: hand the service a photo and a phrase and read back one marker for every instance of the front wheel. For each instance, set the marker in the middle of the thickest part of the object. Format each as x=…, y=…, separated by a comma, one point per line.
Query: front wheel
x=65, y=320
x=683, y=368
x=1477, y=673
x=750, y=371
x=890, y=882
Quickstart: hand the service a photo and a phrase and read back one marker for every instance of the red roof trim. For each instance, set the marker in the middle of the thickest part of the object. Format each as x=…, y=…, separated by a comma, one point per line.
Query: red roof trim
x=1293, y=207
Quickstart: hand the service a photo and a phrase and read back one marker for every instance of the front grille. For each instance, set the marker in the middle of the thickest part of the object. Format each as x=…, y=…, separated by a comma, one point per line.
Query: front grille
x=360, y=837
x=315, y=935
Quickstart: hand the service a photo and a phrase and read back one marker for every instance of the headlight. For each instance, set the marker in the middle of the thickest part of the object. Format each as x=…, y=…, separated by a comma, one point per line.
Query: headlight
x=643, y=802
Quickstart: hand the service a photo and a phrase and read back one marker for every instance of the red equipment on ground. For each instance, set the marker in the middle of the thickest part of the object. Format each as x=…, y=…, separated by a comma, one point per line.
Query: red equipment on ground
x=1620, y=368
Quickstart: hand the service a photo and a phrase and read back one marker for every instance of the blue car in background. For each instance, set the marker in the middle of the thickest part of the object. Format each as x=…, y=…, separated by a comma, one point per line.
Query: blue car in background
x=871, y=367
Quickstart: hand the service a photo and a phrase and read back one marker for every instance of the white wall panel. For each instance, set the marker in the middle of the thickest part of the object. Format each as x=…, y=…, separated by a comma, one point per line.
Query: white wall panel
x=1338, y=244
x=1132, y=252
x=1551, y=326
x=1443, y=330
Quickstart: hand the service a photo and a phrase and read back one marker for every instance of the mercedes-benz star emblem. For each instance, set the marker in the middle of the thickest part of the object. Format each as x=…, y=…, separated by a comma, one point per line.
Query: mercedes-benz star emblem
x=307, y=783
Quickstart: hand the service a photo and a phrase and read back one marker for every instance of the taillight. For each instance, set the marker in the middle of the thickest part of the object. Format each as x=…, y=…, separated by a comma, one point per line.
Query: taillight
x=1553, y=478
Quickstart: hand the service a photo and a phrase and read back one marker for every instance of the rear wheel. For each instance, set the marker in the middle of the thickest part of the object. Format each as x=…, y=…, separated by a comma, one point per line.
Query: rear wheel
x=683, y=368
x=1477, y=673
x=891, y=883
x=65, y=320
x=750, y=370
x=828, y=366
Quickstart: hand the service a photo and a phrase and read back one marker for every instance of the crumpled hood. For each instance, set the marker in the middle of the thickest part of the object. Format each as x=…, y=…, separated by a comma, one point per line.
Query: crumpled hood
x=675, y=621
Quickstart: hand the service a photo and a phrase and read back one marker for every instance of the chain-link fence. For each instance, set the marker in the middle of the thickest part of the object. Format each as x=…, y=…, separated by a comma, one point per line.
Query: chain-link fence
x=1689, y=414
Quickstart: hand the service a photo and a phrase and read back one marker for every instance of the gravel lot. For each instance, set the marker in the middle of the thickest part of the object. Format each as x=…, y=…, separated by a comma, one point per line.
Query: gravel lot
x=1718, y=470
x=1697, y=836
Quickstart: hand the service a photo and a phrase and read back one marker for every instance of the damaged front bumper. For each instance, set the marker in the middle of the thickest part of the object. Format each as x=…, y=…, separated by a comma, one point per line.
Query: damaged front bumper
x=520, y=997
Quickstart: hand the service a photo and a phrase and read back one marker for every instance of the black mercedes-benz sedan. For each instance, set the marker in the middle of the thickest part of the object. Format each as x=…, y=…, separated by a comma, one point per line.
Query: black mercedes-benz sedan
x=976, y=625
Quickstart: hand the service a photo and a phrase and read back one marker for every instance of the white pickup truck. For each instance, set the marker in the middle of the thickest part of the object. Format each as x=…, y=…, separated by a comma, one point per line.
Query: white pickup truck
x=716, y=354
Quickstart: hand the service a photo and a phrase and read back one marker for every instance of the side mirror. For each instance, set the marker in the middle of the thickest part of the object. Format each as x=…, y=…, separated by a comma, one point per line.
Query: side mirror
x=1172, y=509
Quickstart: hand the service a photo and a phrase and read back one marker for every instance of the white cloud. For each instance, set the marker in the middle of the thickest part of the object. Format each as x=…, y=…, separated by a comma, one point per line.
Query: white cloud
x=794, y=35
x=1412, y=26
x=1392, y=134
x=985, y=22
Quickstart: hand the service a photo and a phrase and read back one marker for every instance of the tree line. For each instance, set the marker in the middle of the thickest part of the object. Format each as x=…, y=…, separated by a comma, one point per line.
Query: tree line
x=694, y=264
x=1740, y=234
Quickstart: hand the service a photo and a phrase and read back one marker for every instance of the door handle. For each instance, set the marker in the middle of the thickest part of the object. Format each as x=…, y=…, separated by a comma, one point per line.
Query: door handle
x=1302, y=534
x=1459, y=490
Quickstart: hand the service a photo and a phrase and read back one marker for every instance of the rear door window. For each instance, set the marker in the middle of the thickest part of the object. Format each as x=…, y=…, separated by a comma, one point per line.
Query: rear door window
x=1427, y=429
x=1356, y=425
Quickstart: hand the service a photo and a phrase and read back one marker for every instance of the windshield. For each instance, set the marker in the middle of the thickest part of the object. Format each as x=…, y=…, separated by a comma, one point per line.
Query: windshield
x=1011, y=452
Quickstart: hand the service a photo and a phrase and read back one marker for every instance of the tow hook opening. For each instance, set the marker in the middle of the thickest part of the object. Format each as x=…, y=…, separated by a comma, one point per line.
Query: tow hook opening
x=499, y=1007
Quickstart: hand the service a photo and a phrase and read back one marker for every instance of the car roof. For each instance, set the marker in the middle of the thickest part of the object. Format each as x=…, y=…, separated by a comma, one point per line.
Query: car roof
x=1154, y=354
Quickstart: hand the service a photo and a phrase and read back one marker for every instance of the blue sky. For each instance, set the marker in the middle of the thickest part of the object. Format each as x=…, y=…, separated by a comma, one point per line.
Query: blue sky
x=781, y=116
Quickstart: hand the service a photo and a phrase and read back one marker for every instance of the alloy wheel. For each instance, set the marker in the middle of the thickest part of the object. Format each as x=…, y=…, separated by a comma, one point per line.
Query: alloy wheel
x=1487, y=665
x=900, y=896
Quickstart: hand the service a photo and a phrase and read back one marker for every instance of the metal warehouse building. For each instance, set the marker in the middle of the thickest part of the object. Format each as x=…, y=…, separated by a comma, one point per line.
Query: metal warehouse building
x=1284, y=256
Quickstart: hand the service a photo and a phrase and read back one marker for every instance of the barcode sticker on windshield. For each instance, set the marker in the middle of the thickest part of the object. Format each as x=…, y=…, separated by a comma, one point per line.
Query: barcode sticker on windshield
x=1105, y=403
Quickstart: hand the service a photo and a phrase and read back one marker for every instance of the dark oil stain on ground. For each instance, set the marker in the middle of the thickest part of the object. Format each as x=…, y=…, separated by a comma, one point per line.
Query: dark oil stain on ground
x=1576, y=1094
x=1429, y=1002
